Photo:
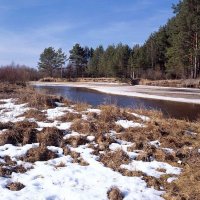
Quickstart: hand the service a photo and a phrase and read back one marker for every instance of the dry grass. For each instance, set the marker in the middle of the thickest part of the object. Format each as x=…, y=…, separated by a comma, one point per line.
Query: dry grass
x=83, y=126
x=114, y=194
x=15, y=186
x=50, y=136
x=8, y=125
x=36, y=114
x=187, y=186
x=68, y=117
x=191, y=83
x=39, y=154
x=110, y=113
x=75, y=141
x=114, y=159
x=20, y=133
x=80, y=107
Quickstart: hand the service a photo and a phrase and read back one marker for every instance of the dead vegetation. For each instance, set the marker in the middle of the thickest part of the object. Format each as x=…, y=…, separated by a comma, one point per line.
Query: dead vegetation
x=50, y=136
x=36, y=114
x=15, y=186
x=68, y=117
x=181, y=136
x=80, y=107
x=39, y=154
x=76, y=141
x=20, y=133
x=114, y=159
x=114, y=194
x=188, y=83
x=187, y=186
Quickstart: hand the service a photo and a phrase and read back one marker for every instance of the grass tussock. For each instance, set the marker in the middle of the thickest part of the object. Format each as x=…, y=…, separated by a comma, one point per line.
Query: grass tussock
x=187, y=186
x=7, y=125
x=39, y=154
x=83, y=126
x=114, y=194
x=76, y=141
x=36, y=114
x=68, y=117
x=80, y=107
x=15, y=186
x=50, y=136
x=20, y=133
x=114, y=159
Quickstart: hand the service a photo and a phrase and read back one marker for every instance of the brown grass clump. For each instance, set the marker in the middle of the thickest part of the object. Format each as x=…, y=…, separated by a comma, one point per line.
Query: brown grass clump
x=75, y=141
x=103, y=141
x=187, y=186
x=38, y=100
x=15, y=137
x=5, y=172
x=21, y=132
x=114, y=194
x=36, y=114
x=68, y=117
x=110, y=113
x=61, y=164
x=114, y=159
x=92, y=116
x=126, y=172
x=152, y=182
x=15, y=186
x=83, y=126
x=7, y=125
x=50, y=136
x=9, y=161
x=80, y=107
x=39, y=154
x=153, y=114
x=25, y=124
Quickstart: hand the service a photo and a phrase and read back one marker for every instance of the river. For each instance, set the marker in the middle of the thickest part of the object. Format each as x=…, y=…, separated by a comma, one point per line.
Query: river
x=170, y=109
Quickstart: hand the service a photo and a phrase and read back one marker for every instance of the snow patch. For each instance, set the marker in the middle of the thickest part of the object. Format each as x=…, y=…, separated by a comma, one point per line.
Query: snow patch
x=127, y=124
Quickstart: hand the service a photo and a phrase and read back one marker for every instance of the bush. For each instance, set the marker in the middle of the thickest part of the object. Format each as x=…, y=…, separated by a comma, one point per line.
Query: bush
x=18, y=74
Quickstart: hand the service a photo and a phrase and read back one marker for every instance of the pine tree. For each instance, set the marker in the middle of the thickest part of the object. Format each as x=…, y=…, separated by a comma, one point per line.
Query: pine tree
x=79, y=58
x=51, y=60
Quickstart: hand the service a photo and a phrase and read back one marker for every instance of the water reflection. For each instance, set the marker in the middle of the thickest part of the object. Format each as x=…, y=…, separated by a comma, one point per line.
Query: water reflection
x=95, y=98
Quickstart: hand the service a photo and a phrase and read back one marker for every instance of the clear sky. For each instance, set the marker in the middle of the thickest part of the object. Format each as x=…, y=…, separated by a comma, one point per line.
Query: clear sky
x=29, y=26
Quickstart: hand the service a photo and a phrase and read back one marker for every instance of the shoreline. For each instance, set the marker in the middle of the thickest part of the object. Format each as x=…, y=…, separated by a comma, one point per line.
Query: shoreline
x=182, y=95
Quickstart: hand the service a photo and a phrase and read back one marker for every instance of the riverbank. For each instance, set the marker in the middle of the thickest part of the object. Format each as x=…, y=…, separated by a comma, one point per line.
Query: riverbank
x=185, y=95
x=53, y=148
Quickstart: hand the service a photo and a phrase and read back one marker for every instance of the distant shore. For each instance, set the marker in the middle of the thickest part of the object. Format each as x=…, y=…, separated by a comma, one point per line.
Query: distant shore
x=185, y=95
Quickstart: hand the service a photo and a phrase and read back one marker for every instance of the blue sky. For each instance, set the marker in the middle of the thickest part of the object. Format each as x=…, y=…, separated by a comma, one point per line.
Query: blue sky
x=29, y=26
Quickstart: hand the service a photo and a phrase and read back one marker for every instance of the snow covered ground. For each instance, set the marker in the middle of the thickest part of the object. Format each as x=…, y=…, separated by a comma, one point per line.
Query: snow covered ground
x=61, y=178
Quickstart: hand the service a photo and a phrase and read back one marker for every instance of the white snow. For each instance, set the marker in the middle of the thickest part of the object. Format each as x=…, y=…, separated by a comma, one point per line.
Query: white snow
x=10, y=112
x=57, y=112
x=171, y=179
x=98, y=111
x=128, y=124
x=74, y=182
x=155, y=143
x=48, y=181
x=144, y=118
x=150, y=168
x=59, y=125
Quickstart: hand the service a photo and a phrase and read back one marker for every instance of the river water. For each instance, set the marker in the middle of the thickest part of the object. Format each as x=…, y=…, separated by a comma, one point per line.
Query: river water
x=95, y=98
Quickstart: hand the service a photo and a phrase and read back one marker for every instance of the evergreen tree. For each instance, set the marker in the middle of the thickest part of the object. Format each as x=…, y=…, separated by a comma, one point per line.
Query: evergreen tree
x=79, y=58
x=51, y=60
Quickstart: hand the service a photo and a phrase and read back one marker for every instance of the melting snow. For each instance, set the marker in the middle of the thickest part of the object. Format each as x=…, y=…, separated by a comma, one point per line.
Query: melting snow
x=128, y=124
x=10, y=112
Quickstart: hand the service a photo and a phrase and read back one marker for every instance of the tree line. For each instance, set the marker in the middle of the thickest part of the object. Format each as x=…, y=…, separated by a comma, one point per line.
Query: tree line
x=171, y=52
